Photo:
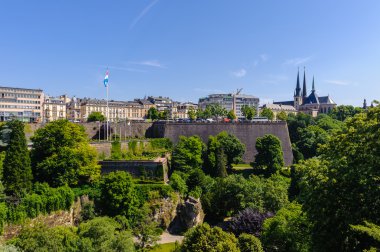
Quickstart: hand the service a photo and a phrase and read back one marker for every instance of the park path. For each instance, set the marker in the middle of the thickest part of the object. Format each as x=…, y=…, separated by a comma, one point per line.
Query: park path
x=169, y=238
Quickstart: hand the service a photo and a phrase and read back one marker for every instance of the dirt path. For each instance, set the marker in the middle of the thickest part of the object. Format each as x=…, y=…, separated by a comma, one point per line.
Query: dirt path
x=169, y=238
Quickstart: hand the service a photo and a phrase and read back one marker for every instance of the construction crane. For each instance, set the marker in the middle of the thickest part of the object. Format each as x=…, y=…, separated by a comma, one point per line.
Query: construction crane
x=238, y=91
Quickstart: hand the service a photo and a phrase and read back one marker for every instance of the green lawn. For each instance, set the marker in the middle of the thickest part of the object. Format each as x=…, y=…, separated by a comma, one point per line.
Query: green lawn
x=167, y=247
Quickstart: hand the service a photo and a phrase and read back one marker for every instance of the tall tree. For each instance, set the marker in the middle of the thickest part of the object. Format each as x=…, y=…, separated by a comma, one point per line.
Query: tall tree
x=17, y=172
x=187, y=154
x=61, y=154
x=152, y=113
x=342, y=187
x=118, y=195
x=268, y=113
x=232, y=147
x=248, y=111
x=215, y=158
x=269, y=154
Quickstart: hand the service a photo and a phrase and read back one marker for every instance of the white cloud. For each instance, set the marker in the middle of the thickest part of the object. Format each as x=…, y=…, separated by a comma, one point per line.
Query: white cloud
x=338, y=82
x=127, y=69
x=239, y=73
x=149, y=63
x=142, y=14
x=297, y=61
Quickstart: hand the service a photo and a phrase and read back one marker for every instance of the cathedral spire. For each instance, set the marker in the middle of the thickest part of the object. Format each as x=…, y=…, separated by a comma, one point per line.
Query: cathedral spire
x=298, y=87
x=304, y=90
x=313, y=88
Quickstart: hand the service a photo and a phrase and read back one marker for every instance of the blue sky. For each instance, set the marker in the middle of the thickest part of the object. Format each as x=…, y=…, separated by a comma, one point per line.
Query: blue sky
x=188, y=49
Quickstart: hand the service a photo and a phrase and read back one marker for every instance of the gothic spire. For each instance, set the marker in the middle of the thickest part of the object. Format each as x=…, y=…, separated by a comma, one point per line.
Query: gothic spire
x=365, y=104
x=313, y=88
x=304, y=90
x=298, y=87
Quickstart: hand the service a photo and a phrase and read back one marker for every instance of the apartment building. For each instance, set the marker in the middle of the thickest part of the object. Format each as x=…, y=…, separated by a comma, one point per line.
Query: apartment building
x=54, y=108
x=21, y=103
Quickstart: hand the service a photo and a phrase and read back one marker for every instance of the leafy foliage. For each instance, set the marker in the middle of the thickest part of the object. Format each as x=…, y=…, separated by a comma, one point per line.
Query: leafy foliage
x=17, y=172
x=61, y=155
x=249, y=243
x=249, y=221
x=342, y=187
x=342, y=112
x=268, y=113
x=117, y=195
x=152, y=113
x=231, y=115
x=204, y=238
x=187, y=154
x=96, y=116
x=282, y=116
x=248, y=112
x=288, y=230
x=234, y=193
x=269, y=154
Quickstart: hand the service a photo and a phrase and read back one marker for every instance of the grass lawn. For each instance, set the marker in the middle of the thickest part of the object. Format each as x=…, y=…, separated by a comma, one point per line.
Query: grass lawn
x=167, y=247
x=241, y=166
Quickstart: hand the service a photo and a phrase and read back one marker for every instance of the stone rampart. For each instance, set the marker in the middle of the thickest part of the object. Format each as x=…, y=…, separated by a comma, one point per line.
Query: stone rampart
x=246, y=132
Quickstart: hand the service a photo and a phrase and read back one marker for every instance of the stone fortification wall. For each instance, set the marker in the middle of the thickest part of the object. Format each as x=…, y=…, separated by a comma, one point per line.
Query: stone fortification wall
x=246, y=132
x=133, y=130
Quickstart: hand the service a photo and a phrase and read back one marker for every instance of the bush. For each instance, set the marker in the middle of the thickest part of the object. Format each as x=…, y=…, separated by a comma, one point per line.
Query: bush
x=248, y=221
x=249, y=243
x=205, y=238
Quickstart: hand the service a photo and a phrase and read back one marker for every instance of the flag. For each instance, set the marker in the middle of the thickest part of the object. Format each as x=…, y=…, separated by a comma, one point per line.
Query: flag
x=106, y=79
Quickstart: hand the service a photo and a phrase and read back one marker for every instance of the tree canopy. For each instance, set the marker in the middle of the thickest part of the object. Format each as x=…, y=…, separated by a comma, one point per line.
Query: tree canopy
x=187, y=154
x=268, y=113
x=17, y=172
x=269, y=154
x=96, y=116
x=341, y=188
x=248, y=111
x=61, y=154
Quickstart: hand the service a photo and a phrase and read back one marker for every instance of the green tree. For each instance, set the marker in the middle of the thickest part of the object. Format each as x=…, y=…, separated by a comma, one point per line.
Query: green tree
x=187, y=154
x=215, y=158
x=61, y=154
x=234, y=193
x=163, y=115
x=268, y=113
x=17, y=172
x=204, y=238
x=311, y=138
x=39, y=238
x=104, y=234
x=216, y=110
x=152, y=113
x=248, y=112
x=342, y=112
x=178, y=183
x=269, y=154
x=192, y=114
x=341, y=188
x=96, y=116
x=118, y=195
x=288, y=230
x=232, y=147
x=147, y=233
x=231, y=115
x=249, y=243
x=282, y=116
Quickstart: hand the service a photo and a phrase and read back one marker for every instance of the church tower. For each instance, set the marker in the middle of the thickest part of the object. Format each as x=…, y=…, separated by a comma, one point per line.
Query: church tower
x=304, y=90
x=297, y=93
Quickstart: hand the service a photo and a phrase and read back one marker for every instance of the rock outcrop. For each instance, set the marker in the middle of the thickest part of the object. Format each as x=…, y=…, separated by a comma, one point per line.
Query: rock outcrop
x=189, y=214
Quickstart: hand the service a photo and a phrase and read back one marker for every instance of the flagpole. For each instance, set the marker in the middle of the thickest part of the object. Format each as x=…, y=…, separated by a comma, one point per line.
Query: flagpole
x=107, y=112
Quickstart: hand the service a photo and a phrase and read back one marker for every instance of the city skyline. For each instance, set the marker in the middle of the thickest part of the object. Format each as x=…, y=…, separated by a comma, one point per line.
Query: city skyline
x=189, y=50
